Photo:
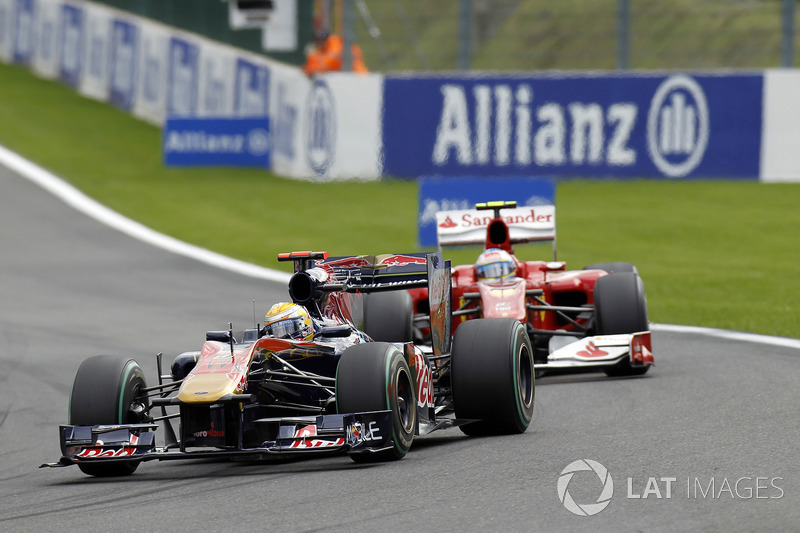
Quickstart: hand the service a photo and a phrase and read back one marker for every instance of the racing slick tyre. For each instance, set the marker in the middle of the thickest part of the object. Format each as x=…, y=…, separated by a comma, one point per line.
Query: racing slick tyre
x=612, y=268
x=389, y=316
x=492, y=376
x=108, y=390
x=374, y=376
x=621, y=307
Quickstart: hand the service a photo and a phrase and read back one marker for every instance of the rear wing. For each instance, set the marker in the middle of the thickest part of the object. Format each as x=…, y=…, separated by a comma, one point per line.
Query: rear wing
x=369, y=273
x=525, y=224
x=316, y=274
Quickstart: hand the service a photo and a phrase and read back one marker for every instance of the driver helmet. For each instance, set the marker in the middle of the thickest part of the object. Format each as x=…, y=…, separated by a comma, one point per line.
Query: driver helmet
x=495, y=264
x=289, y=321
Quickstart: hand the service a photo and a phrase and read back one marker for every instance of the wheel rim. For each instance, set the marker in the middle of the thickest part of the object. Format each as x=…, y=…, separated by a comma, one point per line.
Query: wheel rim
x=405, y=402
x=136, y=410
x=525, y=376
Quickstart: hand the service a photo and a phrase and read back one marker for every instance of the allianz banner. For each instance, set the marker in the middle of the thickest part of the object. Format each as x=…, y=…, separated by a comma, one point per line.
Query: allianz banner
x=626, y=126
x=190, y=141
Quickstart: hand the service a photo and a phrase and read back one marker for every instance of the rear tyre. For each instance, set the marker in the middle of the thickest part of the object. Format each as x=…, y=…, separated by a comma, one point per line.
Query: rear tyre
x=108, y=390
x=492, y=376
x=389, y=316
x=621, y=307
x=374, y=377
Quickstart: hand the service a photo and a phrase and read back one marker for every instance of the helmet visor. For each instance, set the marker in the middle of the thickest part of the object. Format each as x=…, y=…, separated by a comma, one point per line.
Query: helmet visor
x=288, y=328
x=497, y=270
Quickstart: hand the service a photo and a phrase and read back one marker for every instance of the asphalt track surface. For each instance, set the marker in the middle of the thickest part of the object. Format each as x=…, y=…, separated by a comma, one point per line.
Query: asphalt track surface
x=717, y=414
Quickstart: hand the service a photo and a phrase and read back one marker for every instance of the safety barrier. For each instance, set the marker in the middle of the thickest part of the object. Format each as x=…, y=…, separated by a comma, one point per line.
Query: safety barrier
x=666, y=125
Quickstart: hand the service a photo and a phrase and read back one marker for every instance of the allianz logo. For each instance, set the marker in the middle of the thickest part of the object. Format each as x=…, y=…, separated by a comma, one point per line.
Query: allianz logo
x=498, y=124
x=256, y=142
x=320, y=127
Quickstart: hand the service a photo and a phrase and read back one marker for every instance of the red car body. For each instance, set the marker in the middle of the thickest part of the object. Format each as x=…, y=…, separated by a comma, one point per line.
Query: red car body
x=557, y=305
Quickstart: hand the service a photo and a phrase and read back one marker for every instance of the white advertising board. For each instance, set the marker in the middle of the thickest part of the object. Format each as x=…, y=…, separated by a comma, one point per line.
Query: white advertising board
x=45, y=53
x=780, y=140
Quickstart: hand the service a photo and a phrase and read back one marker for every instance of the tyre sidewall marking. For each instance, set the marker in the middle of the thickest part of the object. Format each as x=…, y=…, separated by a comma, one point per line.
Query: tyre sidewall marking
x=390, y=381
x=515, y=368
x=130, y=367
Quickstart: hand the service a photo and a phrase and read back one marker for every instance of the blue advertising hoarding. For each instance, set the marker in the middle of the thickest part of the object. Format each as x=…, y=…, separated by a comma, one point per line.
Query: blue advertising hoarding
x=183, y=77
x=659, y=125
x=251, y=95
x=24, y=35
x=72, y=39
x=438, y=193
x=216, y=142
x=124, y=58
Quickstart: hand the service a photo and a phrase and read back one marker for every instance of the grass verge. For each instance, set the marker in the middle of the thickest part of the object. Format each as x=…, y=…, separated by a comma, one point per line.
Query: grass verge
x=712, y=253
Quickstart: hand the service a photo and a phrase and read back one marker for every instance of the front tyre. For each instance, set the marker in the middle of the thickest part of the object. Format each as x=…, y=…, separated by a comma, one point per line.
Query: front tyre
x=374, y=376
x=621, y=307
x=108, y=390
x=492, y=376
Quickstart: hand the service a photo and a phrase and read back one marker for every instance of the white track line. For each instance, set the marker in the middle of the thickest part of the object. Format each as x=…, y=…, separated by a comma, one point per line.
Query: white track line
x=784, y=342
x=72, y=196
x=75, y=198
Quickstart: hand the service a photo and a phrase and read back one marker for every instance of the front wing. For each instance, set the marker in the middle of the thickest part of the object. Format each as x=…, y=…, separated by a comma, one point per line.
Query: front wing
x=366, y=432
x=602, y=351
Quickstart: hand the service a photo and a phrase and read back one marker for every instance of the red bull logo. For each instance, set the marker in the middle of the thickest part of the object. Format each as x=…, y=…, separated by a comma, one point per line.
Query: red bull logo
x=396, y=260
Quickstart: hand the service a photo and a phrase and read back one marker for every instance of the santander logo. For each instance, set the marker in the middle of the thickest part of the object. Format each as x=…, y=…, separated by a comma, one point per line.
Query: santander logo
x=591, y=351
x=448, y=223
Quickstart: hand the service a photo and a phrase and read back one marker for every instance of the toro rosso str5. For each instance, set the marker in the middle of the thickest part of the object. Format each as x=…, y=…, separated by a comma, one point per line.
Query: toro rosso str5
x=332, y=370
x=594, y=318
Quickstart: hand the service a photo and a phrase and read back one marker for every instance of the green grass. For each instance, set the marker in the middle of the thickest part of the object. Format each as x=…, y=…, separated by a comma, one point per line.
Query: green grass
x=711, y=253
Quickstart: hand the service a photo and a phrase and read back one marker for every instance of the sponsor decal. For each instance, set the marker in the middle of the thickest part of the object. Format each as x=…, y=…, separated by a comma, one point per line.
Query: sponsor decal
x=359, y=433
x=481, y=140
x=97, y=452
x=395, y=260
x=124, y=57
x=239, y=378
x=678, y=126
x=621, y=125
x=209, y=432
x=320, y=127
x=525, y=224
x=72, y=28
x=591, y=351
x=217, y=142
x=424, y=381
x=437, y=194
x=439, y=298
x=154, y=67
x=542, y=215
x=285, y=125
x=24, y=35
x=306, y=437
x=448, y=223
x=182, y=77
x=252, y=89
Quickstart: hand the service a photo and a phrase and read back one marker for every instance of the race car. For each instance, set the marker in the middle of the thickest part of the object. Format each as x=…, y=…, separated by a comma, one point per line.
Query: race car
x=594, y=318
x=330, y=371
